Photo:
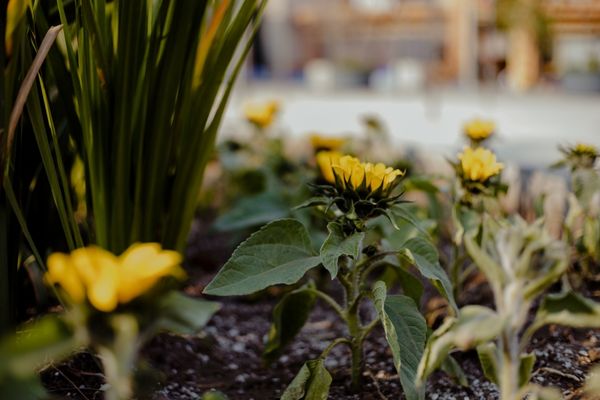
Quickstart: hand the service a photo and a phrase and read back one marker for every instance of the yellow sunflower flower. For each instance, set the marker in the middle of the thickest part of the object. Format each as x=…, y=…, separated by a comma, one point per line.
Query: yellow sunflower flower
x=479, y=164
x=355, y=175
x=479, y=130
x=585, y=149
x=325, y=143
x=261, y=114
x=106, y=280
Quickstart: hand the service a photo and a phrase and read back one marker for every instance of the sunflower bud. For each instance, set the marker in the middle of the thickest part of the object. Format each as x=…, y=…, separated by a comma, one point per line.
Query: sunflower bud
x=478, y=130
x=261, y=115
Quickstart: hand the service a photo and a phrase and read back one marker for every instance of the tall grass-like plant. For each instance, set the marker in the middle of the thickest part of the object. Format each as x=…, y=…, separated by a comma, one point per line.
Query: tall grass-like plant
x=150, y=83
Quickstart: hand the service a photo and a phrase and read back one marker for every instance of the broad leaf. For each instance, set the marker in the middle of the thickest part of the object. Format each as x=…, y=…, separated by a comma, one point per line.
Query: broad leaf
x=406, y=332
x=311, y=383
x=289, y=316
x=410, y=284
x=570, y=309
x=405, y=215
x=253, y=211
x=338, y=244
x=279, y=253
x=185, y=315
x=424, y=256
x=490, y=268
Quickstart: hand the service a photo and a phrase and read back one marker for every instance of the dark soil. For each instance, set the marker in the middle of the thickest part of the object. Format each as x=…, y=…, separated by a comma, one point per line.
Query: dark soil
x=227, y=357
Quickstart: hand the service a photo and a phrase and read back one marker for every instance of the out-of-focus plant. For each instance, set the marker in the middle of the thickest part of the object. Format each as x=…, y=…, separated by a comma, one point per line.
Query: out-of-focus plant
x=113, y=306
x=352, y=196
x=582, y=223
x=474, y=194
x=592, y=386
x=478, y=131
x=150, y=82
x=261, y=115
x=520, y=262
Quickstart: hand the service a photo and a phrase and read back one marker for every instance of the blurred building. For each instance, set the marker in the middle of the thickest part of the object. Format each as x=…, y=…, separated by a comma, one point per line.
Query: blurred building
x=407, y=44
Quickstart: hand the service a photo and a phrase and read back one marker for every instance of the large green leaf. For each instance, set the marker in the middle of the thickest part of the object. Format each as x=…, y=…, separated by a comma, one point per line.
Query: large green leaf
x=406, y=332
x=22, y=389
x=289, y=316
x=279, y=253
x=185, y=315
x=424, y=256
x=311, y=383
x=253, y=211
x=338, y=244
x=570, y=309
x=527, y=361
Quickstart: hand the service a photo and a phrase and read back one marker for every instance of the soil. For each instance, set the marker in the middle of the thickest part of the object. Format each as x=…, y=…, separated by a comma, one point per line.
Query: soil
x=227, y=357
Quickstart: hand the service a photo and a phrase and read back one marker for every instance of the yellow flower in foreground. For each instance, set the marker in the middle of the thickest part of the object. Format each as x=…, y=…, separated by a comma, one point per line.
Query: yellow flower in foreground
x=354, y=174
x=261, y=114
x=479, y=164
x=319, y=142
x=478, y=130
x=107, y=280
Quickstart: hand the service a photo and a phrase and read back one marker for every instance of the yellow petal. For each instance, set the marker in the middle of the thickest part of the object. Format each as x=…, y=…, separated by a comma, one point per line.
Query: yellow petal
x=102, y=293
x=62, y=272
x=142, y=266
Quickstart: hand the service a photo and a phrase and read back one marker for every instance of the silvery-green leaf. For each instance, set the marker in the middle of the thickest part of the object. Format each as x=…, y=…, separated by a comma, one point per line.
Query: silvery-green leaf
x=474, y=326
x=487, y=354
x=526, y=368
x=406, y=332
x=570, y=309
x=338, y=244
x=289, y=316
x=279, y=253
x=311, y=383
x=592, y=386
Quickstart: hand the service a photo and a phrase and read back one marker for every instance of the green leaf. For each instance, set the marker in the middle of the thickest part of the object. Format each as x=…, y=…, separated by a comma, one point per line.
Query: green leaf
x=410, y=284
x=185, y=315
x=406, y=332
x=311, y=383
x=337, y=245
x=289, y=316
x=487, y=358
x=404, y=214
x=48, y=339
x=526, y=368
x=490, y=268
x=22, y=388
x=253, y=211
x=424, y=256
x=466, y=221
x=570, y=309
x=451, y=367
x=279, y=253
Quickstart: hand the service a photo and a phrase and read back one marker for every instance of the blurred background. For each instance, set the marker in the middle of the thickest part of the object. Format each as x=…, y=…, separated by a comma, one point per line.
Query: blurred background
x=424, y=67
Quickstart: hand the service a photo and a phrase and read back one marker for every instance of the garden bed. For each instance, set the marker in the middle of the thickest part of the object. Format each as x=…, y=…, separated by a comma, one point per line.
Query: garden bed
x=227, y=357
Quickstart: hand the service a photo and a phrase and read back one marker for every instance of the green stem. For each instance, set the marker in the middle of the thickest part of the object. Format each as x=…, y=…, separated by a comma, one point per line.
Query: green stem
x=329, y=300
x=333, y=344
x=356, y=338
